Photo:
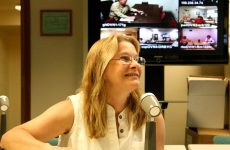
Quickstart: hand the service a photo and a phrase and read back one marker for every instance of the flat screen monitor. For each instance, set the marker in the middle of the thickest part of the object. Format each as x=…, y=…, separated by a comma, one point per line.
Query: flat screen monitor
x=169, y=31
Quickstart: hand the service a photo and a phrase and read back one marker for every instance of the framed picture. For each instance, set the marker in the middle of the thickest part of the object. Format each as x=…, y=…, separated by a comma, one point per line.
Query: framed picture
x=56, y=22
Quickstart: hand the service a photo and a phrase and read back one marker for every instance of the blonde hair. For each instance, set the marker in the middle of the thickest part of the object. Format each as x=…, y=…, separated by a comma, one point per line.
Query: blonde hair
x=92, y=87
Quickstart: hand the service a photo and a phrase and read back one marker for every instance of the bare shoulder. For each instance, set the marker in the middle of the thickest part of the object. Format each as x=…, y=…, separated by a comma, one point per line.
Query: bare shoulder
x=56, y=120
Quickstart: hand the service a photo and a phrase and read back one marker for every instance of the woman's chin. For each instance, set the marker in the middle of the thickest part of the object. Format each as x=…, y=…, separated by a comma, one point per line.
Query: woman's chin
x=135, y=85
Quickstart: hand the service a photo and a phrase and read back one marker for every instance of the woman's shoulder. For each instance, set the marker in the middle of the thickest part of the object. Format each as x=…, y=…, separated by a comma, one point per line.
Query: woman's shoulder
x=76, y=96
x=76, y=100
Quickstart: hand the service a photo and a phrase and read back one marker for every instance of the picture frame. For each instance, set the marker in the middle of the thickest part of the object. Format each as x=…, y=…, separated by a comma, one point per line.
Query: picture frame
x=56, y=22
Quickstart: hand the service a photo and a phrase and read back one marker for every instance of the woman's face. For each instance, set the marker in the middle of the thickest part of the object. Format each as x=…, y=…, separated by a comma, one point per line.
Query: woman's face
x=122, y=75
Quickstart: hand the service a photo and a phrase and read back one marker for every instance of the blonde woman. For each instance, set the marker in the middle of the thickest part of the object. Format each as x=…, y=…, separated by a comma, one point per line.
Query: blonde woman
x=105, y=114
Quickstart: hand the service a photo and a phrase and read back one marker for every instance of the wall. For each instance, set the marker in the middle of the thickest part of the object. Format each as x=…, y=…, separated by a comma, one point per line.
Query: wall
x=10, y=71
x=10, y=63
x=3, y=67
x=10, y=17
x=56, y=61
x=14, y=76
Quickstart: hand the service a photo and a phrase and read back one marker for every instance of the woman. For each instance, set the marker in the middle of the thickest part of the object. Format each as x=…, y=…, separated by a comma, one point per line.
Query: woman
x=104, y=115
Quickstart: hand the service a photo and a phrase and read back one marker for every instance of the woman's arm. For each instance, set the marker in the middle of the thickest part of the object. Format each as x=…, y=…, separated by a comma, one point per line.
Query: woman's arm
x=32, y=135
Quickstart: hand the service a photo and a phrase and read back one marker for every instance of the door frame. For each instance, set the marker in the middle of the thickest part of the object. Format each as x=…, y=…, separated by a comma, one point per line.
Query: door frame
x=25, y=62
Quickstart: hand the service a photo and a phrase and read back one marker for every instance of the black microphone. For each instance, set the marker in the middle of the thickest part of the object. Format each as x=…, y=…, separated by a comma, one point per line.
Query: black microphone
x=150, y=104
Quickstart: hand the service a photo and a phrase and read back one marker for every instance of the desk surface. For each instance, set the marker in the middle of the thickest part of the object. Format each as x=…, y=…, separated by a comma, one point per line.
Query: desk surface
x=174, y=147
x=209, y=147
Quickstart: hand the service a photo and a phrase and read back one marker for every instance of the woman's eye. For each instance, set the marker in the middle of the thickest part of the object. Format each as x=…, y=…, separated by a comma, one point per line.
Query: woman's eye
x=125, y=58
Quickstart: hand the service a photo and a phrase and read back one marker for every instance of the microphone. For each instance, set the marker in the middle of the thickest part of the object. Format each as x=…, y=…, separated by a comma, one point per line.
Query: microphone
x=150, y=104
x=4, y=103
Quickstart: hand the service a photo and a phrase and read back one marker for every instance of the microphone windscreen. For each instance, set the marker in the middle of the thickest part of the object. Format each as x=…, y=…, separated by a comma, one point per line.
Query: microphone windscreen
x=150, y=104
x=4, y=101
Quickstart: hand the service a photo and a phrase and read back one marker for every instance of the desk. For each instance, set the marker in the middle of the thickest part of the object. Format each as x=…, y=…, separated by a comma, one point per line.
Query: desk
x=203, y=136
x=174, y=147
x=208, y=147
x=152, y=13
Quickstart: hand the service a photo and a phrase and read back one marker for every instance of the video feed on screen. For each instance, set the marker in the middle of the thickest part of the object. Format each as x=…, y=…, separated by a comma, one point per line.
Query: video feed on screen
x=169, y=31
x=165, y=25
x=198, y=2
x=198, y=39
x=139, y=13
x=158, y=38
x=198, y=16
x=105, y=32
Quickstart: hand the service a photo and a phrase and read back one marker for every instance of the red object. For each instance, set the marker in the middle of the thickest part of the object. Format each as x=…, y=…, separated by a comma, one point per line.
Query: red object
x=163, y=15
x=199, y=20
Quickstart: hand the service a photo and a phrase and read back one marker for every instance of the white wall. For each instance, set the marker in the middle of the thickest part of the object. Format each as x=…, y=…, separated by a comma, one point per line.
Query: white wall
x=56, y=61
x=3, y=68
x=14, y=77
x=10, y=17
x=10, y=71
x=10, y=63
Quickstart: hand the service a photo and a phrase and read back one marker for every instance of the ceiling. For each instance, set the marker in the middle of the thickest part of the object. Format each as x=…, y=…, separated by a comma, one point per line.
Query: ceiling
x=6, y=5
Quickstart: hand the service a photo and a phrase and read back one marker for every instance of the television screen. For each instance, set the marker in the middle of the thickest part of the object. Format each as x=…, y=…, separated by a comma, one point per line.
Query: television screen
x=169, y=31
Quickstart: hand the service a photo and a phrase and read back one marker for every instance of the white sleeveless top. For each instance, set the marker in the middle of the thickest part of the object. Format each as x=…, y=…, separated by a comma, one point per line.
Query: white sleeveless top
x=78, y=139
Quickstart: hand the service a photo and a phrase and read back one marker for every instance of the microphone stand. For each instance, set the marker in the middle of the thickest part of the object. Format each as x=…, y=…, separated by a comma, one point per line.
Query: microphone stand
x=151, y=106
x=150, y=134
x=3, y=125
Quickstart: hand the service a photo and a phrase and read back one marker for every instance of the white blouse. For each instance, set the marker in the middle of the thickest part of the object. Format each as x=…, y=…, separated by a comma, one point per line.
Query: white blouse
x=78, y=139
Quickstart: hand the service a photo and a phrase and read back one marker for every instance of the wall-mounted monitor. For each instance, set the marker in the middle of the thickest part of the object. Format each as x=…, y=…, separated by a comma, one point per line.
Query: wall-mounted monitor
x=169, y=31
